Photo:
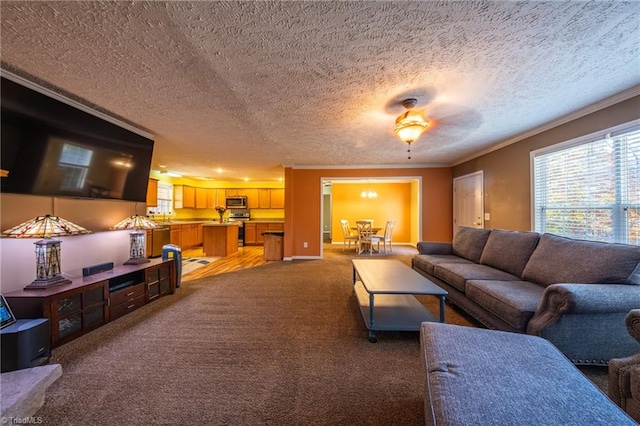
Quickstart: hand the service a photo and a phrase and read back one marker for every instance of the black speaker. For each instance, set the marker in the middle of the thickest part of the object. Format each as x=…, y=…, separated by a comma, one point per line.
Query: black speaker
x=94, y=269
x=25, y=344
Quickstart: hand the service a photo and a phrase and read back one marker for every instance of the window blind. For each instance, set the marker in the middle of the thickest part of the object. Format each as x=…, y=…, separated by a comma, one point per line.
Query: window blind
x=590, y=189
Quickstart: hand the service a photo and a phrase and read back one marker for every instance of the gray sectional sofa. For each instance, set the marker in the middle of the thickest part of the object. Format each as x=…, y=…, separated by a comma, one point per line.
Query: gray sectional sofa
x=487, y=377
x=574, y=293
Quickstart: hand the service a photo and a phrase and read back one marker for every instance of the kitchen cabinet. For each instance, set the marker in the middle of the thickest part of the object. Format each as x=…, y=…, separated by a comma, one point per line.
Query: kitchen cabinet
x=271, y=198
x=189, y=200
x=178, y=196
x=277, y=198
x=220, y=239
x=184, y=197
x=196, y=234
x=187, y=235
x=201, y=198
x=215, y=197
x=260, y=228
x=264, y=196
x=152, y=193
x=250, y=233
x=276, y=226
x=253, y=231
x=252, y=197
x=189, y=197
x=176, y=235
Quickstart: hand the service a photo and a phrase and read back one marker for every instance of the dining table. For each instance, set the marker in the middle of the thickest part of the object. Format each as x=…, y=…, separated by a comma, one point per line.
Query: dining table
x=374, y=231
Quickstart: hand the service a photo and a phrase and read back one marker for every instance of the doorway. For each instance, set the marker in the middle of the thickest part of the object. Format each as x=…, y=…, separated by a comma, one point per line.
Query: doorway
x=380, y=199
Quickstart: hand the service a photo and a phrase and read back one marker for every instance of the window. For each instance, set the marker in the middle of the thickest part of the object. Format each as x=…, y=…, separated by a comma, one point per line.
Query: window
x=589, y=188
x=165, y=199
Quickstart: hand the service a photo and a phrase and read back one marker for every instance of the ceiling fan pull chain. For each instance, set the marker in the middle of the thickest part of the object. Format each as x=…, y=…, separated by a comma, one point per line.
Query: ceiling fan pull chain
x=409, y=150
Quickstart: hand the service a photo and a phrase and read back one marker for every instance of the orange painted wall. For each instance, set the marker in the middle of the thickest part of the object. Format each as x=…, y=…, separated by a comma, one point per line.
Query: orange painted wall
x=303, y=193
x=392, y=203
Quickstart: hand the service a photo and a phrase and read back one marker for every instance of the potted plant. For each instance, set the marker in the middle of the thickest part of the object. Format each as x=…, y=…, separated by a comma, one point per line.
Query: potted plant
x=221, y=211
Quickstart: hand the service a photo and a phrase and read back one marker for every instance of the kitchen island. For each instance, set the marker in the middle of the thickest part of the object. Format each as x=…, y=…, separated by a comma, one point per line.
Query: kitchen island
x=219, y=239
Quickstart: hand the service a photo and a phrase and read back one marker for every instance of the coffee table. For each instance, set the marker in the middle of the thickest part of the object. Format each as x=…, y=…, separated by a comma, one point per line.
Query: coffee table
x=385, y=288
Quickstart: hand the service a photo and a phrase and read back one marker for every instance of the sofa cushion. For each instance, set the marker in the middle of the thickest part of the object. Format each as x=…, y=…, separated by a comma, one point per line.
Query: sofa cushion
x=509, y=250
x=457, y=274
x=469, y=242
x=563, y=260
x=487, y=377
x=426, y=262
x=514, y=302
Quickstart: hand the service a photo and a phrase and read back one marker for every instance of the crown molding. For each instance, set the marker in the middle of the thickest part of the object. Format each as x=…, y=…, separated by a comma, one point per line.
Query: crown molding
x=605, y=103
x=362, y=166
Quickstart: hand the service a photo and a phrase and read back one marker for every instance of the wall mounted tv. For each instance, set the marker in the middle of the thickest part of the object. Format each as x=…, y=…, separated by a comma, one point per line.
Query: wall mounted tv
x=54, y=149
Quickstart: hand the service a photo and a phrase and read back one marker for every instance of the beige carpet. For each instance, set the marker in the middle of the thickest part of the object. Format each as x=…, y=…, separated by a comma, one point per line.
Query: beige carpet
x=281, y=344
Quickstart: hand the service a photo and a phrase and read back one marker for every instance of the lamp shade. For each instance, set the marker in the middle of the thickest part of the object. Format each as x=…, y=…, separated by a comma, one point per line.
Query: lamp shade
x=48, y=265
x=45, y=227
x=135, y=222
x=410, y=125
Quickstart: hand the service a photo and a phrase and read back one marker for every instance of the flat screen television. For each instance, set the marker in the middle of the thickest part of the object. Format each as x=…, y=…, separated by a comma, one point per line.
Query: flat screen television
x=51, y=148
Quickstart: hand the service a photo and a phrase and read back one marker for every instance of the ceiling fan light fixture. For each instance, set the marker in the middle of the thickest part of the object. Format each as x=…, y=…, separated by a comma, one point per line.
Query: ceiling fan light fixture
x=410, y=124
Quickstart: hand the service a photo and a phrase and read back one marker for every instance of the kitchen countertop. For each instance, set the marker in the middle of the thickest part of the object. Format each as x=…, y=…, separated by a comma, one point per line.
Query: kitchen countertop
x=215, y=222
x=221, y=224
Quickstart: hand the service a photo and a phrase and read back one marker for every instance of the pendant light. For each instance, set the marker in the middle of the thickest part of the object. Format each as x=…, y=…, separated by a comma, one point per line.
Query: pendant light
x=410, y=124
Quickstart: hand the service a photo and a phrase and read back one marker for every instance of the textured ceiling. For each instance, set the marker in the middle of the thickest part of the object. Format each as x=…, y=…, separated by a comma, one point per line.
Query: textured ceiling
x=250, y=86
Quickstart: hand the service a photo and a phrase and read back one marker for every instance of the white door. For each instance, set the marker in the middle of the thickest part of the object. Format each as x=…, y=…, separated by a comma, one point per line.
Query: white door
x=468, y=205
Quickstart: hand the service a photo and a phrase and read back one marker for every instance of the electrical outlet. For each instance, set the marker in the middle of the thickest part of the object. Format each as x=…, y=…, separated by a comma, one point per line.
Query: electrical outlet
x=305, y=244
x=487, y=216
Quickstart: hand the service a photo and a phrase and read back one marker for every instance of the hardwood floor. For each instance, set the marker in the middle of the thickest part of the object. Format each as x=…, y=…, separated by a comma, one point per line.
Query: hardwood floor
x=252, y=256
x=245, y=257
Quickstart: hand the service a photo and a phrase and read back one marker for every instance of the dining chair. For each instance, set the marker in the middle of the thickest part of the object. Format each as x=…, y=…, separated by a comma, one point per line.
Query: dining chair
x=366, y=239
x=388, y=232
x=348, y=237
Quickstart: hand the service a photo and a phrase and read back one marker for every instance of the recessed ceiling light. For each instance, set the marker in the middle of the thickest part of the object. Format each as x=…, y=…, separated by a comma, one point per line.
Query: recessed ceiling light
x=219, y=170
x=246, y=179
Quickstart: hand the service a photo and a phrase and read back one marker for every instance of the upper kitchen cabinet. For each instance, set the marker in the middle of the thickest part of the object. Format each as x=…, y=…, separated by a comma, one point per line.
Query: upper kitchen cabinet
x=152, y=193
x=252, y=197
x=264, y=196
x=201, y=196
x=215, y=197
x=277, y=198
x=184, y=197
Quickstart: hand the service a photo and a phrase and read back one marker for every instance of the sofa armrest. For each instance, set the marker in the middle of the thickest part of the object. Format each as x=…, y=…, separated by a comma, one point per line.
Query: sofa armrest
x=570, y=298
x=619, y=383
x=633, y=323
x=428, y=247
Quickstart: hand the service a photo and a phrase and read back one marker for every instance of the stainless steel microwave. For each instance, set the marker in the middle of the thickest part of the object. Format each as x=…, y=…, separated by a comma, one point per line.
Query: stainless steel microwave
x=239, y=202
